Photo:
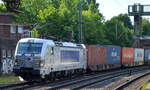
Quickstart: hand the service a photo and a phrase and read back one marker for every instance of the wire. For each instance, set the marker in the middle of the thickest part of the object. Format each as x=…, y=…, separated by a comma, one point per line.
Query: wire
x=121, y=5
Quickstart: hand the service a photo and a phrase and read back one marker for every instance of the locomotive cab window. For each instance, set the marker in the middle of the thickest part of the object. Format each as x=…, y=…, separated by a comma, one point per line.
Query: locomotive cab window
x=29, y=48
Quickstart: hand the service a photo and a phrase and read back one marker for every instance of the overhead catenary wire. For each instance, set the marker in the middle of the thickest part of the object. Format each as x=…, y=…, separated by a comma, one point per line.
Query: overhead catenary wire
x=121, y=5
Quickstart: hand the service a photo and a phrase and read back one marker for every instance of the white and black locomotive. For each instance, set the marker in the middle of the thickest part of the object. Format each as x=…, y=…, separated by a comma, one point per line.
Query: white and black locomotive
x=40, y=58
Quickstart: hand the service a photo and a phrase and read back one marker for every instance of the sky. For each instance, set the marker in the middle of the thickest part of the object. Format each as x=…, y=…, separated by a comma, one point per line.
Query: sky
x=110, y=8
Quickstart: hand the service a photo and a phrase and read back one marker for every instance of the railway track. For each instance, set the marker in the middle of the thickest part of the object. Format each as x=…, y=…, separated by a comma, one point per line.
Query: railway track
x=25, y=85
x=30, y=86
x=57, y=82
x=72, y=83
x=79, y=84
x=126, y=84
x=15, y=85
x=83, y=83
x=110, y=84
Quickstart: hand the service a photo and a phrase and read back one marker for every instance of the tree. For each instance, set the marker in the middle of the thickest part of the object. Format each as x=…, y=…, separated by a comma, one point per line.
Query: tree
x=58, y=17
x=145, y=27
x=93, y=25
x=117, y=32
x=63, y=17
x=125, y=19
x=3, y=8
x=30, y=9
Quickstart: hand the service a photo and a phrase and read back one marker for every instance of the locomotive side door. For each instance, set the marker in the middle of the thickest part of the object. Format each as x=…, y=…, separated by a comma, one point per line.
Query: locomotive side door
x=49, y=56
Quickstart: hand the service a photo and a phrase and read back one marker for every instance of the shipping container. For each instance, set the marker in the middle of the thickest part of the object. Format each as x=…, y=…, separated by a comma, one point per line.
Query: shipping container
x=113, y=54
x=127, y=56
x=147, y=56
x=138, y=56
x=96, y=57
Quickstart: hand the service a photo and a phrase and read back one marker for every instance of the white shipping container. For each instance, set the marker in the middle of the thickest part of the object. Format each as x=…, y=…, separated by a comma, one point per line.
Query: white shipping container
x=138, y=54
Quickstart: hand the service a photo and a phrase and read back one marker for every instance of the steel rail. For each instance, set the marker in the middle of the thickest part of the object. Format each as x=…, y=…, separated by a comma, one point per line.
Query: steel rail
x=103, y=77
x=120, y=87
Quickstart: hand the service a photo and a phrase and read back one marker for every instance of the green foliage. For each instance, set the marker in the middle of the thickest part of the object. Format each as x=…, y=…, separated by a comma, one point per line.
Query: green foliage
x=60, y=16
x=145, y=27
x=30, y=10
x=63, y=17
x=93, y=33
x=125, y=19
x=35, y=33
x=2, y=8
x=118, y=33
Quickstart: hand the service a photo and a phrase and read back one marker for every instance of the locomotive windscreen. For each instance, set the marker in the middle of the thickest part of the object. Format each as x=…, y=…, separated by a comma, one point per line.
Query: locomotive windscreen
x=70, y=56
x=29, y=48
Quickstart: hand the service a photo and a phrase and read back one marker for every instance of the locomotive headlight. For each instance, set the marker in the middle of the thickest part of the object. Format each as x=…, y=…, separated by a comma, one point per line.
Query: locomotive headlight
x=16, y=62
x=42, y=63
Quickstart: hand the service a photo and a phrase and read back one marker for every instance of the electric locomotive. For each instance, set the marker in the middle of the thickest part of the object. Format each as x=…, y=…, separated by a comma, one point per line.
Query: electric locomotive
x=47, y=59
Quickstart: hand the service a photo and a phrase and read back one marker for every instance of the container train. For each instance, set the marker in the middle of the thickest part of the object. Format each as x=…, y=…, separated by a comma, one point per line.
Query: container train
x=48, y=59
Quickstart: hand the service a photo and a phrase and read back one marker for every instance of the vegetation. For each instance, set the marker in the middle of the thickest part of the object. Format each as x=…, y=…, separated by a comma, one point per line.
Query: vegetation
x=145, y=27
x=144, y=86
x=119, y=29
x=57, y=17
x=8, y=78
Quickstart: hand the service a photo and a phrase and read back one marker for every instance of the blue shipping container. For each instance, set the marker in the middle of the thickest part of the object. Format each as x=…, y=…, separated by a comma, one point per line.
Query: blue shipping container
x=113, y=54
x=147, y=55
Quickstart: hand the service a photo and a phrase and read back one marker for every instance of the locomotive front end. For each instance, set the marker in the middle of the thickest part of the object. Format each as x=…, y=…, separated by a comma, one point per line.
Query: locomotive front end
x=29, y=58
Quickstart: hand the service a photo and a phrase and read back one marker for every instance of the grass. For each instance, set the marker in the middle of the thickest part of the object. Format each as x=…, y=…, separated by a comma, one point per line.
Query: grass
x=8, y=78
x=144, y=86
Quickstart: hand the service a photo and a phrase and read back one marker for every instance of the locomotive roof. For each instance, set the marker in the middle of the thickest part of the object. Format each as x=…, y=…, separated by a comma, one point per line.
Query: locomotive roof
x=37, y=40
x=51, y=42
